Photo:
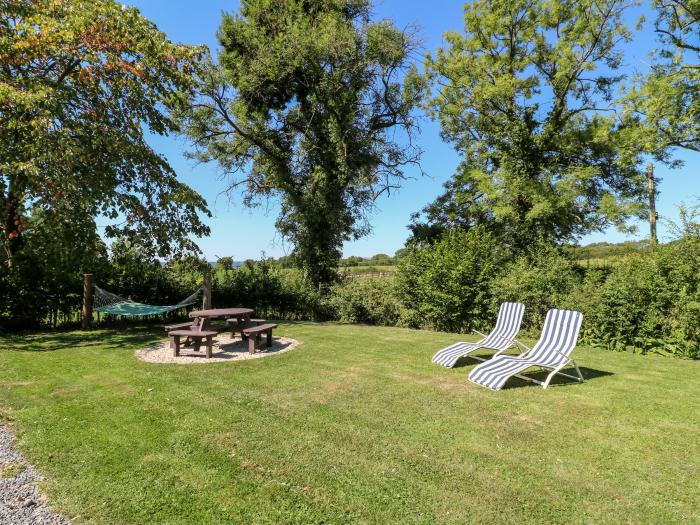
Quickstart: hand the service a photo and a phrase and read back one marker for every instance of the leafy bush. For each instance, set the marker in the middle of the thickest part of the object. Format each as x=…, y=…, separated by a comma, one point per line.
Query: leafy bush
x=650, y=302
x=43, y=286
x=272, y=291
x=445, y=286
x=543, y=280
x=370, y=301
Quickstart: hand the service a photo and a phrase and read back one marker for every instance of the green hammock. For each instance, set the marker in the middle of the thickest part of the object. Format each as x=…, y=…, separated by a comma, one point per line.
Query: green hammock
x=109, y=303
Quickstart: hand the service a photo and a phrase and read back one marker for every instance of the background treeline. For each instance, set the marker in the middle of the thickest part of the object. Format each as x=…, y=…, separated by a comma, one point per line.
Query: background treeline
x=316, y=105
x=646, y=301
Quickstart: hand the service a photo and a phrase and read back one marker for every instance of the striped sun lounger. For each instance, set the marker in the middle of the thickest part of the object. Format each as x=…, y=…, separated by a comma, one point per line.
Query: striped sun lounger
x=500, y=339
x=551, y=352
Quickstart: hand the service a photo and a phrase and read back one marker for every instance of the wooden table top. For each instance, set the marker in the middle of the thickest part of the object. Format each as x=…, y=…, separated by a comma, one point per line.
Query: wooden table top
x=221, y=312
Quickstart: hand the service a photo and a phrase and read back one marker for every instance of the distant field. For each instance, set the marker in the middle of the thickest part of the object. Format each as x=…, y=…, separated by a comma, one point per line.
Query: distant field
x=367, y=269
x=599, y=262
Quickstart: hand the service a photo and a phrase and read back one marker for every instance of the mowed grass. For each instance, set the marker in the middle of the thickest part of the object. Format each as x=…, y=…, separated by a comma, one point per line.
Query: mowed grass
x=356, y=425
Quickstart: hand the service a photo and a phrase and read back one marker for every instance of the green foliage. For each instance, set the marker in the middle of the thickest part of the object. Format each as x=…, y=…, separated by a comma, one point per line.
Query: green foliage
x=352, y=261
x=665, y=101
x=82, y=83
x=650, y=302
x=271, y=290
x=524, y=95
x=225, y=263
x=380, y=259
x=367, y=301
x=135, y=275
x=457, y=207
x=44, y=285
x=304, y=107
x=446, y=286
x=81, y=86
x=542, y=280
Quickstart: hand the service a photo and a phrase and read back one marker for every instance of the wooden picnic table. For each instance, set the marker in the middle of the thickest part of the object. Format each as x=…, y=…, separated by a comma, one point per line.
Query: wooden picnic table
x=242, y=315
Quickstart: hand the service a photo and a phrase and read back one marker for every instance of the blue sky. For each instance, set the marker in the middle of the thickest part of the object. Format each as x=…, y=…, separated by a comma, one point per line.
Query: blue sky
x=245, y=233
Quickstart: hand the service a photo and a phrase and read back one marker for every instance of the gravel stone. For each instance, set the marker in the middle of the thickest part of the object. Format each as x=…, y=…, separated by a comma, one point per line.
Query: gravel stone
x=20, y=500
x=224, y=348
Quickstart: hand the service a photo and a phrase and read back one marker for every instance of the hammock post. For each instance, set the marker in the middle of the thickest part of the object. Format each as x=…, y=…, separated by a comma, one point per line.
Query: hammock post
x=87, y=301
x=206, y=295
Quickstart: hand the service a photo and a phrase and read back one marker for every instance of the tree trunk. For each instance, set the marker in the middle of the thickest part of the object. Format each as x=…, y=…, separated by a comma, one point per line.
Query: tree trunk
x=206, y=299
x=11, y=217
x=651, y=182
x=87, y=301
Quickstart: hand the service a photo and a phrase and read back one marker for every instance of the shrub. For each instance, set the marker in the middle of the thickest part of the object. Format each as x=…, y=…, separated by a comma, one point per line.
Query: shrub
x=370, y=301
x=272, y=291
x=542, y=280
x=446, y=285
x=650, y=302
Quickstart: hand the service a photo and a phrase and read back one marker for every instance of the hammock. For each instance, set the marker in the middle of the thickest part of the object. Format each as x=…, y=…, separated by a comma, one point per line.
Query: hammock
x=109, y=303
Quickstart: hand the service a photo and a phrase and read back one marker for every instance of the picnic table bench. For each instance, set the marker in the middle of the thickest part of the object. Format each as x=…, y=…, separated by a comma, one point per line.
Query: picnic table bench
x=238, y=324
x=196, y=335
x=253, y=334
x=190, y=325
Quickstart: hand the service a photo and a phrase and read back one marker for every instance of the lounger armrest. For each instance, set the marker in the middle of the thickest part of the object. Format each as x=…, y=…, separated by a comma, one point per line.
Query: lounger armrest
x=500, y=337
x=566, y=357
x=525, y=347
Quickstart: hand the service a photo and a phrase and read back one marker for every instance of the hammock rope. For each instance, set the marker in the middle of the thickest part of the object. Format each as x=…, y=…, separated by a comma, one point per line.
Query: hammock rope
x=109, y=303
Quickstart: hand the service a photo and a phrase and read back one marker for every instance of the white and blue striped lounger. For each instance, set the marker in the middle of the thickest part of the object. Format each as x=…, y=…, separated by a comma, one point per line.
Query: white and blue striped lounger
x=551, y=352
x=500, y=339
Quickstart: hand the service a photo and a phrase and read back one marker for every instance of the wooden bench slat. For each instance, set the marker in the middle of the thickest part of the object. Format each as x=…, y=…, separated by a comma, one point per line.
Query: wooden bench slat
x=197, y=335
x=253, y=334
x=193, y=333
x=259, y=329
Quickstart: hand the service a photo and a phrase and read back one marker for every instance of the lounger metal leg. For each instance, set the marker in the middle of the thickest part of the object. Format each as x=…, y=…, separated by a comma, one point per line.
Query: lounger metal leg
x=557, y=371
x=570, y=376
x=528, y=379
x=551, y=375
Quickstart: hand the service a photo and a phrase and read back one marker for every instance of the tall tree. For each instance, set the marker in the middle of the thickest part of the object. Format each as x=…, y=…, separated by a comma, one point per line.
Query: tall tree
x=666, y=100
x=304, y=106
x=82, y=82
x=525, y=95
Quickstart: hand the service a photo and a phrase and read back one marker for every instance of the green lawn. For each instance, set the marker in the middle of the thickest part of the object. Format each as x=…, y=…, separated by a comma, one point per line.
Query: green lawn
x=356, y=425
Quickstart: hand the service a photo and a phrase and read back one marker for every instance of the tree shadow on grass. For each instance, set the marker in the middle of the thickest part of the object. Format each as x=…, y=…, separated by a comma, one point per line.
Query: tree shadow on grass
x=108, y=339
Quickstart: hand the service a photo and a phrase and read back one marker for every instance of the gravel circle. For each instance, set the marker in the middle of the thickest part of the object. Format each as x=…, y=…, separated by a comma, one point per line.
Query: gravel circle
x=225, y=349
x=20, y=500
